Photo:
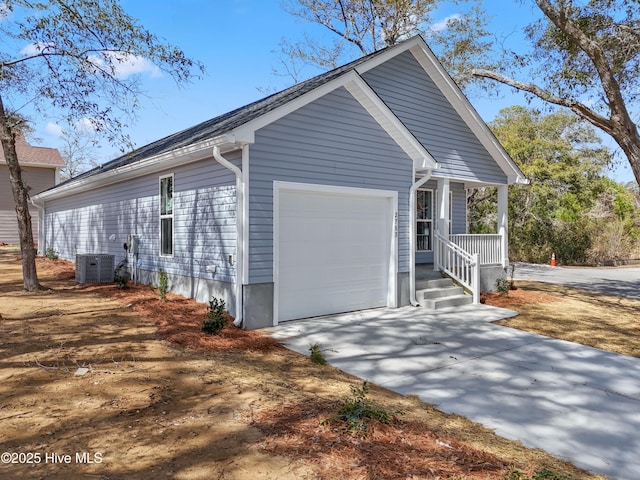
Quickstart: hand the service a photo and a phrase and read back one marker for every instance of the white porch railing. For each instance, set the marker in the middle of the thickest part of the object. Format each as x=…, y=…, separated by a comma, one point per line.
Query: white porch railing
x=489, y=247
x=459, y=264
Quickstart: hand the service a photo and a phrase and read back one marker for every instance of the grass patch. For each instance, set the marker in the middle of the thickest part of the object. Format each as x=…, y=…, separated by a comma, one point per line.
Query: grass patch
x=607, y=322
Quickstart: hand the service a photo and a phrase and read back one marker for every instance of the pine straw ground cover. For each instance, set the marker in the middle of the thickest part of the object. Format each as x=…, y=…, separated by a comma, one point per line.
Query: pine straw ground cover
x=232, y=406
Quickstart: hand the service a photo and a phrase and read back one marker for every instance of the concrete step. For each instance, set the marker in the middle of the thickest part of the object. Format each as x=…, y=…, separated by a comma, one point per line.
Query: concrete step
x=424, y=284
x=446, y=302
x=439, y=292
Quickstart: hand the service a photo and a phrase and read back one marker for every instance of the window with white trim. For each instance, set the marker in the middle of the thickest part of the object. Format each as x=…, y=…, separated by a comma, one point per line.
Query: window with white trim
x=424, y=220
x=166, y=216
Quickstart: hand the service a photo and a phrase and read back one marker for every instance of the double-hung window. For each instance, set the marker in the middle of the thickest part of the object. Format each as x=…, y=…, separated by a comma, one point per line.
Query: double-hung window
x=166, y=216
x=424, y=218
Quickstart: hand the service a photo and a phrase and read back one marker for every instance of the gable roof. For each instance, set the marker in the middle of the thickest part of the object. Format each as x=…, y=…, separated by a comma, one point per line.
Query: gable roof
x=31, y=156
x=239, y=126
x=226, y=122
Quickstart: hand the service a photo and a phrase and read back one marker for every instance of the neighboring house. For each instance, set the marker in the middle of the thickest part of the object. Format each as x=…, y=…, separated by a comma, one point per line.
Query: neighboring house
x=315, y=200
x=40, y=170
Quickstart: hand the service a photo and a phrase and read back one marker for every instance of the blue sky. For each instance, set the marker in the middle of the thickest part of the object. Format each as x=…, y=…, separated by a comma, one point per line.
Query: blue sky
x=238, y=42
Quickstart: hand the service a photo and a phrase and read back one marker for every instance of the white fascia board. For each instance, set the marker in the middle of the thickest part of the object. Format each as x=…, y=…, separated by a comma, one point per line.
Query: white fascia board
x=467, y=112
x=246, y=132
x=389, y=53
x=397, y=130
x=181, y=156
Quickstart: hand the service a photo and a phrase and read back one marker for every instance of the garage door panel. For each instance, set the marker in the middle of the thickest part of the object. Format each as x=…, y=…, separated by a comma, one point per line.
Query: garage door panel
x=334, y=253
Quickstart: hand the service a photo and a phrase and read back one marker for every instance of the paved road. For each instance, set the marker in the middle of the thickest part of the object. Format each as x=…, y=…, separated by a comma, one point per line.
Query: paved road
x=617, y=281
x=576, y=402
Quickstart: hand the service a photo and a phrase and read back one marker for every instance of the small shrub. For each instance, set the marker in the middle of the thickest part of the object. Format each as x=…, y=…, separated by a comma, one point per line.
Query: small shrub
x=121, y=275
x=515, y=474
x=358, y=408
x=503, y=285
x=216, y=318
x=163, y=284
x=51, y=254
x=316, y=355
x=512, y=274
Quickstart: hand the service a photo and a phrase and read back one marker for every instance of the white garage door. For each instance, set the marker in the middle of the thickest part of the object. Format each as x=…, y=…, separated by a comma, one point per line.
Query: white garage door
x=333, y=252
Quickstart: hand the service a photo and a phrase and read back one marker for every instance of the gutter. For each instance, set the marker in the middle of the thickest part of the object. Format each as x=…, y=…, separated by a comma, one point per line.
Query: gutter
x=412, y=236
x=239, y=229
x=181, y=156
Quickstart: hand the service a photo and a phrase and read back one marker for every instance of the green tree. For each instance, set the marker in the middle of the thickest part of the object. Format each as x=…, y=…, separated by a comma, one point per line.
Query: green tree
x=564, y=161
x=615, y=224
x=71, y=56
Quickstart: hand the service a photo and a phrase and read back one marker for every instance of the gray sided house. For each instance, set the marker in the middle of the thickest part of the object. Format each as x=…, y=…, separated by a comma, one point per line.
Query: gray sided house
x=319, y=199
x=40, y=168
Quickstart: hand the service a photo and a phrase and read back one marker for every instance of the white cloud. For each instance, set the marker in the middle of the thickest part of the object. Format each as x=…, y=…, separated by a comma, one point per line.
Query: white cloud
x=4, y=11
x=88, y=125
x=53, y=129
x=444, y=23
x=124, y=64
x=36, y=48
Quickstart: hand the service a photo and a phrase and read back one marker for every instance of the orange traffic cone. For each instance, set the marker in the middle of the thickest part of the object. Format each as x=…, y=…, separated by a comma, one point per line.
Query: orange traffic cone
x=553, y=259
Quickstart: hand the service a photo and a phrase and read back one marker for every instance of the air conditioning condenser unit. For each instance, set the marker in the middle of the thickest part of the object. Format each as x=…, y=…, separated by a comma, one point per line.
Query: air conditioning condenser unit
x=94, y=268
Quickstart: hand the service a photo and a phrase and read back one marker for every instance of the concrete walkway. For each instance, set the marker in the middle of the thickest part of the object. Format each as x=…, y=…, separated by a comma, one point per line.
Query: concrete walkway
x=576, y=402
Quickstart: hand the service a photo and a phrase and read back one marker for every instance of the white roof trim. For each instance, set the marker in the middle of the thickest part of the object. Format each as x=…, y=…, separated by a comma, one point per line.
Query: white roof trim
x=369, y=100
x=192, y=153
x=365, y=95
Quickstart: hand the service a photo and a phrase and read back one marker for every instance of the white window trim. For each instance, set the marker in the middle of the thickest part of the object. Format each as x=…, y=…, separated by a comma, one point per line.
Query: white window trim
x=432, y=221
x=165, y=216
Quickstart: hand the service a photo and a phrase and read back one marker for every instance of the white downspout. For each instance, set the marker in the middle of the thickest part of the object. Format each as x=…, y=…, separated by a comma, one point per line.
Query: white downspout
x=412, y=236
x=239, y=229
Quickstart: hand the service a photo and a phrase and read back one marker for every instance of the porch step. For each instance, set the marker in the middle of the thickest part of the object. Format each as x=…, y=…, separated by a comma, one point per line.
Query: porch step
x=446, y=302
x=440, y=293
x=425, y=284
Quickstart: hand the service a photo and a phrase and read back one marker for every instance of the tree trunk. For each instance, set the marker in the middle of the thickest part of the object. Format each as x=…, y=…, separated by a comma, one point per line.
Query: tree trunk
x=21, y=199
x=630, y=145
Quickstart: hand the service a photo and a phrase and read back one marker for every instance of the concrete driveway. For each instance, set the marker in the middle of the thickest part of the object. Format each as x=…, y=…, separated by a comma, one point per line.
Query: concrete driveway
x=624, y=281
x=575, y=402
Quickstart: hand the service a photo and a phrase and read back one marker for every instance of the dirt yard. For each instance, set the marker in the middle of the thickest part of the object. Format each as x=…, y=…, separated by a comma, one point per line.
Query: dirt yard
x=100, y=383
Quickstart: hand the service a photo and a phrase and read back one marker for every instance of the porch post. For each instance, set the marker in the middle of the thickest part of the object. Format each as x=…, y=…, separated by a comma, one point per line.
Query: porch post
x=442, y=202
x=503, y=222
x=442, y=214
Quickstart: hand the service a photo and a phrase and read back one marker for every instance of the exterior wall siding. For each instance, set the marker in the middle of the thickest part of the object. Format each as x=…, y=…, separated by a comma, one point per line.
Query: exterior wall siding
x=204, y=221
x=416, y=100
x=332, y=141
x=38, y=179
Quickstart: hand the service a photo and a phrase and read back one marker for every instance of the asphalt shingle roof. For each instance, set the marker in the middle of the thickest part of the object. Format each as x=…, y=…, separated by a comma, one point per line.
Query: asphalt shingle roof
x=225, y=122
x=30, y=155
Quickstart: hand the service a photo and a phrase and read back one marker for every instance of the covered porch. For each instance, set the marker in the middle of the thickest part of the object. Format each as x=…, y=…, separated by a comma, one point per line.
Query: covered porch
x=474, y=261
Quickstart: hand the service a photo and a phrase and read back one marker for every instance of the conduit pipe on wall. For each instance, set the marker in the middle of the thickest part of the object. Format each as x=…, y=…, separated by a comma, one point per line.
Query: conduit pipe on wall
x=239, y=229
x=412, y=236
